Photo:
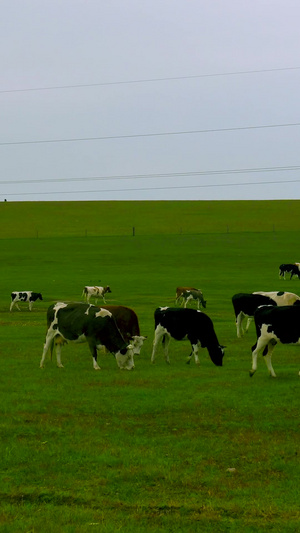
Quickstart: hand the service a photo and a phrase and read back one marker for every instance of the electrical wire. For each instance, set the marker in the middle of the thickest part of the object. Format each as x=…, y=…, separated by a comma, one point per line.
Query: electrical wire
x=150, y=80
x=159, y=175
x=162, y=134
x=153, y=188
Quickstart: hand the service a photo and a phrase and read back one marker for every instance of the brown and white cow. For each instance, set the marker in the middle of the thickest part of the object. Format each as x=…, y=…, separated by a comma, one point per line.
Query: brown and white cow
x=128, y=324
x=95, y=292
x=181, y=290
x=196, y=295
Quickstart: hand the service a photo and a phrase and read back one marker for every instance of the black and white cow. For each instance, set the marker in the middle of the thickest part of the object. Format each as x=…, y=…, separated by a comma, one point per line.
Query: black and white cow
x=80, y=322
x=194, y=294
x=24, y=296
x=245, y=305
x=273, y=325
x=290, y=268
x=189, y=324
x=95, y=292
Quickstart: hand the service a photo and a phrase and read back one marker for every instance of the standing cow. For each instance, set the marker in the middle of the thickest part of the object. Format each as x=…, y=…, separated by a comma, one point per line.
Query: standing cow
x=189, y=324
x=24, y=296
x=245, y=305
x=193, y=294
x=95, y=292
x=180, y=290
x=80, y=322
x=289, y=268
x=273, y=325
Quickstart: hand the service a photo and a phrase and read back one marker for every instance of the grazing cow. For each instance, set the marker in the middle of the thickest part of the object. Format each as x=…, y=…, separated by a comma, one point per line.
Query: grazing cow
x=24, y=296
x=189, y=324
x=128, y=324
x=290, y=268
x=95, y=292
x=193, y=295
x=180, y=290
x=245, y=305
x=80, y=322
x=273, y=325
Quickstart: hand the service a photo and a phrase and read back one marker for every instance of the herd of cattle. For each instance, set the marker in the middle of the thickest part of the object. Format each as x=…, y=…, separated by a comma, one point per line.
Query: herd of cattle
x=116, y=327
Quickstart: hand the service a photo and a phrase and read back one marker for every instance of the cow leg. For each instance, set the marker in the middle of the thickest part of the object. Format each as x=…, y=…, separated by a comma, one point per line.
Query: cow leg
x=166, y=342
x=249, y=320
x=189, y=357
x=256, y=349
x=158, y=336
x=104, y=300
x=49, y=338
x=94, y=353
x=58, y=355
x=239, y=324
x=268, y=358
x=196, y=351
x=195, y=348
x=30, y=306
x=14, y=304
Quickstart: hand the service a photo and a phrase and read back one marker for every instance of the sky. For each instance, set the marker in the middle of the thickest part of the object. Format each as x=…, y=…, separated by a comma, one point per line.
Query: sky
x=149, y=100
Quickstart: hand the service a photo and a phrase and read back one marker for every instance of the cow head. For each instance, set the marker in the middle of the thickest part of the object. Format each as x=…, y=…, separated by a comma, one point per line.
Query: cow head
x=125, y=360
x=137, y=342
x=39, y=296
x=217, y=355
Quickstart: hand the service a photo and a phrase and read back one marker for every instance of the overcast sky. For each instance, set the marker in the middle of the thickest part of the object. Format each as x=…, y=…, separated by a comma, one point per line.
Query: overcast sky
x=149, y=99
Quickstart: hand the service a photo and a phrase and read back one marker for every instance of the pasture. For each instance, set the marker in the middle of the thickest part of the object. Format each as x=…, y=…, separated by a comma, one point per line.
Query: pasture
x=161, y=448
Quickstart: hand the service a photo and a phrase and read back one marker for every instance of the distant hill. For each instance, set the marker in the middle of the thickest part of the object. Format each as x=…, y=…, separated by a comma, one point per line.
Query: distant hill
x=52, y=219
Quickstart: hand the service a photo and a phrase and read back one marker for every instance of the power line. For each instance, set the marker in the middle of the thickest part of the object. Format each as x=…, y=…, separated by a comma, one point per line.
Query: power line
x=159, y=175
x=150, y=80
x=154, y=188
x=162, y=134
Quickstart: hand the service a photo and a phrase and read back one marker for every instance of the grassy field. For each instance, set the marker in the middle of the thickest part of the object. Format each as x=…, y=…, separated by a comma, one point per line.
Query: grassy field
x=162, y=448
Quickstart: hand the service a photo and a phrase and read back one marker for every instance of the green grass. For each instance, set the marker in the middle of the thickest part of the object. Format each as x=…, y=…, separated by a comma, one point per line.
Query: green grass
x=147, y=450
x=81, y=219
